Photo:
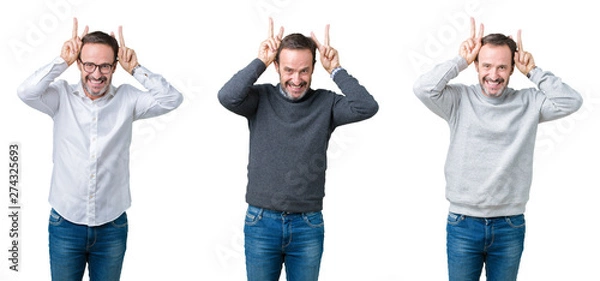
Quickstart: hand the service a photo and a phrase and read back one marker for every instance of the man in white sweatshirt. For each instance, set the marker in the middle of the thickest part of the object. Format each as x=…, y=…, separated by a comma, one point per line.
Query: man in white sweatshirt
x=492, y=136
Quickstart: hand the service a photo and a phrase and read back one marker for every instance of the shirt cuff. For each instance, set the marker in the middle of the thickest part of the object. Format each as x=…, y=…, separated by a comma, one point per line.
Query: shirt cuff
x=335, y=71
x=532, y=72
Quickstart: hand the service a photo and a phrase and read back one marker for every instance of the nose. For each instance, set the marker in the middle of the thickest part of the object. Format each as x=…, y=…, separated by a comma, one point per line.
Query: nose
x=296, y=77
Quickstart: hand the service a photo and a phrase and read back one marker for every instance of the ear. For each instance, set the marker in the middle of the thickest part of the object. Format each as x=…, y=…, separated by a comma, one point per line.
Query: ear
x=276, y=66
x=476, y=63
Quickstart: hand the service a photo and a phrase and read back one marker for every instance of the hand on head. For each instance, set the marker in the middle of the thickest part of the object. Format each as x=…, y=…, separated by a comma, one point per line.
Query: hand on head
x=328, y=55
x=523, y=60
x=268, y=48
x=127, y=56
x=470, y=47
x=71, y=48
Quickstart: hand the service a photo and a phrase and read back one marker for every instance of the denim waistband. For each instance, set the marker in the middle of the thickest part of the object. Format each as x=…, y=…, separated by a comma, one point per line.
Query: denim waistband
x=487, y=218
x=273, y=213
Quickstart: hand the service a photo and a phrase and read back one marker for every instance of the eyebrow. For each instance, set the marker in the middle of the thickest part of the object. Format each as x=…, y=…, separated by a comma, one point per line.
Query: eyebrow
x=84, y=61
x=302, y=69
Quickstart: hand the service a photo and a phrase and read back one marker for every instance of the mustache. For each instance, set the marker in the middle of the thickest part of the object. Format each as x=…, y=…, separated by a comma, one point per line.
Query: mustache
x=497, y=80
x=301, y=84
x=101, y=79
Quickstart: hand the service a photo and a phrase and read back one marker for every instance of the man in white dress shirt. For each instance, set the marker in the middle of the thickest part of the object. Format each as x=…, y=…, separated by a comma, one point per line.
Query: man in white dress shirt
x=89, y=191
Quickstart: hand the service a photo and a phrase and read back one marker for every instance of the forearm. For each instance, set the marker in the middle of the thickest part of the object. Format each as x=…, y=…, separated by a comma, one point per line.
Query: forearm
x=234, y=95
x=32, y=91
x=360, y=102
x=561, y=99
x=431, y=84
x=433, y=89
x=166, y=97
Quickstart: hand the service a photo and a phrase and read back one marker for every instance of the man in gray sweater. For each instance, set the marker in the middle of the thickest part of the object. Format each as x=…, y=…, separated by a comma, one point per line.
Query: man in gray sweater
x=489, y=162
x=290, y=126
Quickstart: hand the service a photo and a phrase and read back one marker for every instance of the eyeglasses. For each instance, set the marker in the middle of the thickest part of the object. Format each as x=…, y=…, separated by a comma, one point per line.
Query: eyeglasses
x=90, y=67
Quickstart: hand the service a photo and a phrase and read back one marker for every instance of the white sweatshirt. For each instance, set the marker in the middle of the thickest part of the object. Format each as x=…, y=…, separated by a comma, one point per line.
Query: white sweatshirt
x=490, y=159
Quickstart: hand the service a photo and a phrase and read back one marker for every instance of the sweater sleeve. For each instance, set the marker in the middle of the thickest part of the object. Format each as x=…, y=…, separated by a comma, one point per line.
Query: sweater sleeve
x=237, y=94
x=356, y=104
x=434, y=90
x=560, y=99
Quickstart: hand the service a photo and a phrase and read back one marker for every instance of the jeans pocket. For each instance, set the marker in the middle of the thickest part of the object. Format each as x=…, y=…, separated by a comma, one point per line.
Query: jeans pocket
x=516, y=221
x=252, y=218
x=454, y=219
x=55, y=219
x=314, y=219
x=120, y=221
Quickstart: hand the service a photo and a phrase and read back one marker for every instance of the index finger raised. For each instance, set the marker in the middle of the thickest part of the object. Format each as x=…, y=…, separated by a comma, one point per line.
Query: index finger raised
x=270, y=27
x=472, y=33
x=121, y=39
x=74, y=33
x=519, y=42
x=326, y=41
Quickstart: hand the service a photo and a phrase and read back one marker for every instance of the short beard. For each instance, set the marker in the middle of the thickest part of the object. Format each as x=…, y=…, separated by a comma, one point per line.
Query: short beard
x=289, y=96
x=92, y=93
x=500, y=81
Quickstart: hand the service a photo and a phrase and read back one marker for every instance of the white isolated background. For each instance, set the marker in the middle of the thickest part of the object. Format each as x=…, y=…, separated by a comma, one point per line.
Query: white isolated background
x=385, y=209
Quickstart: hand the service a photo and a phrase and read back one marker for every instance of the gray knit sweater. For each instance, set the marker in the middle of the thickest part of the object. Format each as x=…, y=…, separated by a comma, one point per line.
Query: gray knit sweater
x=489, y=163
x=289, y=139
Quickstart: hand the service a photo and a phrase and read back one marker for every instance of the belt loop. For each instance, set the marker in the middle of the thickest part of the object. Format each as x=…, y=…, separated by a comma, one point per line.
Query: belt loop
x=260, y=212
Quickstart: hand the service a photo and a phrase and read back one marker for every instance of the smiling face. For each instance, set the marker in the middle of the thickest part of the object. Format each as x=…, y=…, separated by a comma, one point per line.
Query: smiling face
x=295, y=68
x=494, y=67
x=96, y=83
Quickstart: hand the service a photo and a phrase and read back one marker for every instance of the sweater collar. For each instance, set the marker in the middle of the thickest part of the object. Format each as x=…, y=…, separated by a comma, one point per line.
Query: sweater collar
x=285, y=96
x=492, y=100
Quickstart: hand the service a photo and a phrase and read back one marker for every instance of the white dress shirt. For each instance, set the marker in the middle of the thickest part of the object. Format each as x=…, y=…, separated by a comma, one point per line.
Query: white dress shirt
x=90, y=177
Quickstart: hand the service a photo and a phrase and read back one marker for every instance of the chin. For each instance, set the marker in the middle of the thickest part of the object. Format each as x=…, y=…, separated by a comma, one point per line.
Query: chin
x=495, y=94
x=297, y=97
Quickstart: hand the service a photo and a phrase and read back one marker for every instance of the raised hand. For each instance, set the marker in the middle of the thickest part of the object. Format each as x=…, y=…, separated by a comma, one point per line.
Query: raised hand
x=329, y=56
x=470, y=47
x=268, y=48
x=127, y=57
x=523, y=60
x=71, y=48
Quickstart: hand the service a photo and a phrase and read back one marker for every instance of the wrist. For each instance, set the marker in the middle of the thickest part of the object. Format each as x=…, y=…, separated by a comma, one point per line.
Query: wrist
x=529, y=73
x=335, y=71
x=135, y=68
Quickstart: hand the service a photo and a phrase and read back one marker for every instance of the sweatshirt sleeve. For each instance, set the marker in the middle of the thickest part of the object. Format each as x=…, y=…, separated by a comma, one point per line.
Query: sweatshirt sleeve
x=356, y=104
x=39, y=91
x=237, y=94
x=560, y=99
x=434, y=90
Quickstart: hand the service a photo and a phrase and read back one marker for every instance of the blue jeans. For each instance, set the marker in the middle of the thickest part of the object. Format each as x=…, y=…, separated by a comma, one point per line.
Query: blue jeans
x=495, y=242
x=72, y=246
x=273, y=238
